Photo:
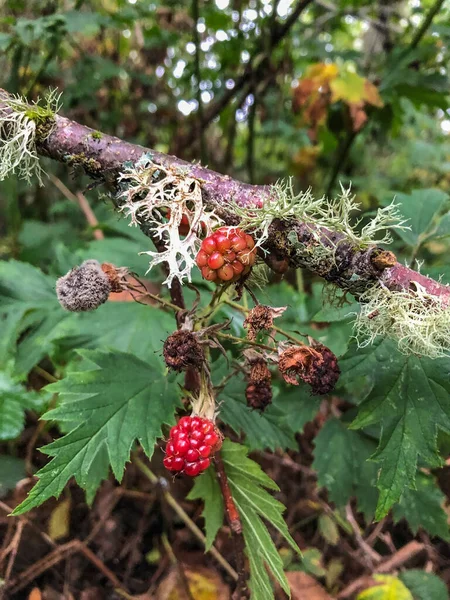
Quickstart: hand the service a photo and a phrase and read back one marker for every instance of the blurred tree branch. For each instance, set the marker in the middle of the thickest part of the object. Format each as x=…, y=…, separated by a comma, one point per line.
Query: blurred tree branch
x=253, y=71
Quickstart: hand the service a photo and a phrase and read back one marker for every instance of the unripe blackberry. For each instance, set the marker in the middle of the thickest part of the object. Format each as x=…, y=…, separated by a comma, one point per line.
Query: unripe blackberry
x=83, y=288
x=182, y=351
x=192, y=443
x=226, y=255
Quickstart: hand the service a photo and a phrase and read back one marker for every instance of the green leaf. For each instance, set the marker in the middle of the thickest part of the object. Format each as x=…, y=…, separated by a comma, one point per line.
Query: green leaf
x=207, y=489
x=424, y=586
x=312, y=562
x=269, y=429
x=29, y=308
x=420, y=208
x=409, y=396
x=12, y=470
x=423, y=507
x=14, y=400
x=249, y=485
x=298, y=406
x=328, y=529
x=341, y=461
x=115, y=398
x=388, y=587
x=126, y=326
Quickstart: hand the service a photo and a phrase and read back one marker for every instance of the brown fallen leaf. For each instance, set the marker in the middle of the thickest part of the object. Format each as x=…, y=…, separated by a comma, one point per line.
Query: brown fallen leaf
x=305, y=587
x=204, y=584
x=35, y=594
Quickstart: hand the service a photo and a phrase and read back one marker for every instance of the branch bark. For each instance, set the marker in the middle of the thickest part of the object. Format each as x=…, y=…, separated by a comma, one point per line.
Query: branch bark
x=350, y=268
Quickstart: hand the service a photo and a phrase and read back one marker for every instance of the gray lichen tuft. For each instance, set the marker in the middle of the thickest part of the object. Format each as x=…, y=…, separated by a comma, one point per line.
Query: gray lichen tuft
x=84, y=288
x=417, y=320
x=21, y=126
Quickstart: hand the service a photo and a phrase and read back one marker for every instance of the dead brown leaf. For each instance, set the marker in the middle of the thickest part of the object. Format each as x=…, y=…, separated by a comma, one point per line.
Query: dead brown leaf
x=305, y=587
x=204, y=584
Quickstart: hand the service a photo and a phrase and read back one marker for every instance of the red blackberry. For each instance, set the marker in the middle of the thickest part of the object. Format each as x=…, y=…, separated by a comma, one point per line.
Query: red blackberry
x=191, y=444
x=226, y=255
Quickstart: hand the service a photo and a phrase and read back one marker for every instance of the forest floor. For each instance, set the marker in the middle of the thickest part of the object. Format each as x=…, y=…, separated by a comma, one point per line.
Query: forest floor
x=134, y=542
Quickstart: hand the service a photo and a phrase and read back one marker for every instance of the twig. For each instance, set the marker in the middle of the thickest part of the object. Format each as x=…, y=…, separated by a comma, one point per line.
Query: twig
x=82, y=202
x=386, y=566
x=369, y=554
x=401, y=557
x=53, y=558
x=175, y=562
x=233, y=338
x=253, y=70
x=199, y=125
x=184, y=516
x=426, y=24
x=234, y=521
x=12, y=550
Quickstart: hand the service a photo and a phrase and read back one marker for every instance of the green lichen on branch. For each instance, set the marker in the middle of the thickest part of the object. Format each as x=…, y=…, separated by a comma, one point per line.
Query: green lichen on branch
x=22, y=125
x=335, y=215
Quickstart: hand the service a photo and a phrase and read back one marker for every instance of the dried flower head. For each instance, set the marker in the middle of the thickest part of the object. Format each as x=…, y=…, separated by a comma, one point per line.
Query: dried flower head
x=259, y=396
x=183, y=351
x=83, y=288
x=259, y=389
x=315, y=365
x=116, y=276
x=261, y=318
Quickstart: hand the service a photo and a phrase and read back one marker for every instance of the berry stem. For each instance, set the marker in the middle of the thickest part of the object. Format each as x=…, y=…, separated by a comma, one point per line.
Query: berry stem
x=234, y=521
x=228, y=336
x=167, y=496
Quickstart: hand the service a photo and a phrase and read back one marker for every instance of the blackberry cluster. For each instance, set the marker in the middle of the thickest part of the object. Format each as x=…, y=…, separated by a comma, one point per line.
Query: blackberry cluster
x=191, y=444
x=226, y=255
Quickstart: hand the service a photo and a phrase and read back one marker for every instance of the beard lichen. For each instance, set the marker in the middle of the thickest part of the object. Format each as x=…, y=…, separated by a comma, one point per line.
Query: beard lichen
x=161, y=199
x=21, y=126
x=416, y=319
x=335, y=215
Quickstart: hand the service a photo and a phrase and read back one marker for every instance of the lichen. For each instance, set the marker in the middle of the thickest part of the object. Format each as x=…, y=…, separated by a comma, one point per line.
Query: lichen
x=335, y=215
x=21, y=126
x=416, y=319
x=96, y=135
x=157, y=198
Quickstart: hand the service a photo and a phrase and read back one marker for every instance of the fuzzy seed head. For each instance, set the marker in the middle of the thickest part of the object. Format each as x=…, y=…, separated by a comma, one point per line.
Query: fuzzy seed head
x=83, y=288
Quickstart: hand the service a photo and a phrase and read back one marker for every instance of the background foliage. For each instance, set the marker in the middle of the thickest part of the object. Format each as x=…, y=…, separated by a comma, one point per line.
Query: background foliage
x=355, y=91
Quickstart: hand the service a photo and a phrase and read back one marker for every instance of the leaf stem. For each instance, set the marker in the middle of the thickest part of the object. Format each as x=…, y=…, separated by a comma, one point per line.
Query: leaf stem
x=234, y=521
x=183, y=515
x=233, y=338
